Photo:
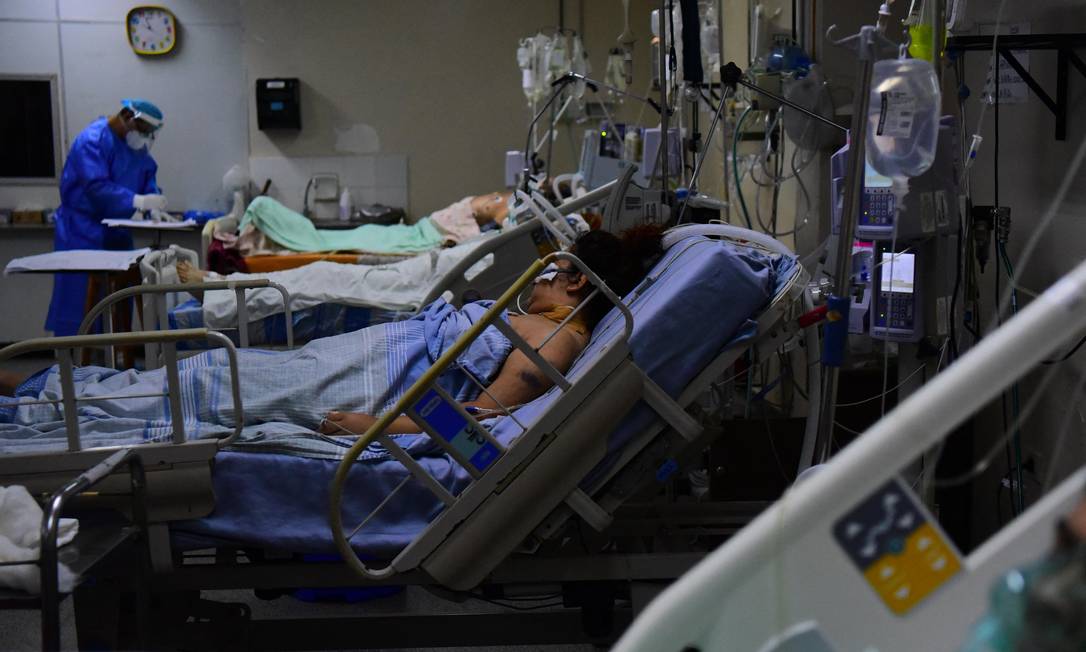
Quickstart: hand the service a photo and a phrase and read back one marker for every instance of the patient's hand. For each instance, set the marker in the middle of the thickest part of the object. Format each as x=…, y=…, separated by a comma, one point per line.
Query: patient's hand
x=346, y=423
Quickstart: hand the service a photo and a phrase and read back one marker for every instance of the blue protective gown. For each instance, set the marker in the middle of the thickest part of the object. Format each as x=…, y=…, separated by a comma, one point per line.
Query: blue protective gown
x=100, y=177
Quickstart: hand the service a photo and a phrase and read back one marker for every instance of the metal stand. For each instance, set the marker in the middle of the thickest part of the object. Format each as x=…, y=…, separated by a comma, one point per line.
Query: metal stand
x=48, y=561
x=866, y=44
x=1064, y=45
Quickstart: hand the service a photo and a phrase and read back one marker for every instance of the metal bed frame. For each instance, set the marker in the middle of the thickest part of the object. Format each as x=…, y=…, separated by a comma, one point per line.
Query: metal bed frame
x=178, y=473
x=521, y=501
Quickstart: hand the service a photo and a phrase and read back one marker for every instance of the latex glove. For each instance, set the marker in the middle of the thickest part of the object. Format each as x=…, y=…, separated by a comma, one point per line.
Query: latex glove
x=149, y=202
x=156, y=215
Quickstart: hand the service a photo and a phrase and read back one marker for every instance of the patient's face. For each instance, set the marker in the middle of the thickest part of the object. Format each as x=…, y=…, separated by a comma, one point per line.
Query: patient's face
x=557, y=286
x=490, y=208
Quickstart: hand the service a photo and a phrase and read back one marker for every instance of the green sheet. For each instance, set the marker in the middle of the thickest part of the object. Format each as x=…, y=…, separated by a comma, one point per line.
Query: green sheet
x=294, y=231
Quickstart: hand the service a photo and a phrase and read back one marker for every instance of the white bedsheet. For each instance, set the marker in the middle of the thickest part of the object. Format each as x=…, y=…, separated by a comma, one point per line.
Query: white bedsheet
x=394, y=286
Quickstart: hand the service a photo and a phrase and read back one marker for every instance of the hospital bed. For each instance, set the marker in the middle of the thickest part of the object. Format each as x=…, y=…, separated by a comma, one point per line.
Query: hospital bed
x=486, y=271
x=850, y=559
x=476, y=524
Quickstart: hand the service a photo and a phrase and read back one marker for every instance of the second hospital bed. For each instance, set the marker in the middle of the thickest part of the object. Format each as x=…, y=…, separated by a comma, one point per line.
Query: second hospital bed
x=486, y=266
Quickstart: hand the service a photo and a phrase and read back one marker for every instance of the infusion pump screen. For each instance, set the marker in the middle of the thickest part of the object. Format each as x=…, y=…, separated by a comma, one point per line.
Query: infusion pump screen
x=873, y=179
x=901, y=267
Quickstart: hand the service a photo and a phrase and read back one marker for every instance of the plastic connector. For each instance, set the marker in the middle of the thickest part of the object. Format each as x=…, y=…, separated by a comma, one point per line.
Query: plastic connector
x=974, y=147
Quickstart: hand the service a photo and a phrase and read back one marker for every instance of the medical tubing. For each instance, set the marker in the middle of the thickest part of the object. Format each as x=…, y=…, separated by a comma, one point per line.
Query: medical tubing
x=735, y=166
x=889, y=299
x=528, y=167
x=672, y=236
x=993, y=71
x=615, y=200
x=780, y=171
x=1070, y=176
x=1050, y=475
x=985, y=461
x=1001, y=250
x=693, y=187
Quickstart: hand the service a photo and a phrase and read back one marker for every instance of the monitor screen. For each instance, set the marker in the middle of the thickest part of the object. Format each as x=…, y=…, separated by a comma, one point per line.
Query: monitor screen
x=26, y=129
x=900, y=266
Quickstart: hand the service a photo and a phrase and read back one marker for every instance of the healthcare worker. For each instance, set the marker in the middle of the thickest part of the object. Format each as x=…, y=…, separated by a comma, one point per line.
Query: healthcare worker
x=109, y=174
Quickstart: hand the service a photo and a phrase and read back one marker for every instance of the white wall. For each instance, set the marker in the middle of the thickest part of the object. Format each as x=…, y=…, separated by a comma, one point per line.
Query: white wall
x=435, y=81
x=200, y=87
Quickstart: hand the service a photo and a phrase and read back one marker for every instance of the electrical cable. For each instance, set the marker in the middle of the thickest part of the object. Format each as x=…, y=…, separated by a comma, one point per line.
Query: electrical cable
x=549, y=605
x=1067, y=355
x=999, y=312
x=985, y=461
x=900, y=384
x=1075, y=393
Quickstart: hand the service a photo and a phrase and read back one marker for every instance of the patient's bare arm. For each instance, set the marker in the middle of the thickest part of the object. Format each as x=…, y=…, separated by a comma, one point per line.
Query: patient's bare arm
x=518, y=381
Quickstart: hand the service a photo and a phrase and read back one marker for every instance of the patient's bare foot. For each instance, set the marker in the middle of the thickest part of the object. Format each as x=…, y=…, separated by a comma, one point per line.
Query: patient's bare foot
x=188, y=273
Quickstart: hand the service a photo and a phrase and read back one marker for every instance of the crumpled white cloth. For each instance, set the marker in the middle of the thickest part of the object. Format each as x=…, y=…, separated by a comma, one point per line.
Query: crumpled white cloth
x=20, y=540
x=393, y=286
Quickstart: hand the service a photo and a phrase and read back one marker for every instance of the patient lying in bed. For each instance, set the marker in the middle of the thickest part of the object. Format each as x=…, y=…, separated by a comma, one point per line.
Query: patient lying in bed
x=400, y=285
x=334, y=385
x=269, y=227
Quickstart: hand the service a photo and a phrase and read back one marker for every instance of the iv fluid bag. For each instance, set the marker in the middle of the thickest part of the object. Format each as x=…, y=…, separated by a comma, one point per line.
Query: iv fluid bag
x=903, y=117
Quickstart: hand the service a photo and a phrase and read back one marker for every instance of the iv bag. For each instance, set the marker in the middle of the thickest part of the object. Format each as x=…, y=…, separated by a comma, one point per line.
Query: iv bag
x=903, y=117
x=616, y=72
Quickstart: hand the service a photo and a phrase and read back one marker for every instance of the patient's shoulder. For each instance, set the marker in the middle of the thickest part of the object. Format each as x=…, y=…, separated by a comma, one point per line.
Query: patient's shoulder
x=535, y=328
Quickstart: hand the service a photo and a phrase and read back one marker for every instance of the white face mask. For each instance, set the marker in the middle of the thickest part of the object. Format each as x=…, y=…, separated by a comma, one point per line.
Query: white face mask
x=138, y=141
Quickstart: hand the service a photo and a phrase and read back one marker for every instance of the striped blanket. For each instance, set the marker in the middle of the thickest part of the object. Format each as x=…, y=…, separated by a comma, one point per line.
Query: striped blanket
x=285, y=394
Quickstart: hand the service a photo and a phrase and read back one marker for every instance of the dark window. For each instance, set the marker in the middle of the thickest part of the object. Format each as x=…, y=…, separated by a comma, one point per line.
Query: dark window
x=26, y=129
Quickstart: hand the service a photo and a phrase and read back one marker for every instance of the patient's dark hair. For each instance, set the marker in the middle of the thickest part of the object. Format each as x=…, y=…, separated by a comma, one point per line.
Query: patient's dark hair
x=621, y=261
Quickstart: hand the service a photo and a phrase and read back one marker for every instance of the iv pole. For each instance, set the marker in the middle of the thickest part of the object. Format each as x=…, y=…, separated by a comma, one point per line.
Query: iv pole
x=835, y=336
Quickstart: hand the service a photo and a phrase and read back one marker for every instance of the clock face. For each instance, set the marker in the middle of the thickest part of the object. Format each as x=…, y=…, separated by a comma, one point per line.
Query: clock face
x=151, y=30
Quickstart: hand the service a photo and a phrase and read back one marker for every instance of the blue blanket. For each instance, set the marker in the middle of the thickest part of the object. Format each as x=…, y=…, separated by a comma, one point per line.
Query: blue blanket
x=284, y=394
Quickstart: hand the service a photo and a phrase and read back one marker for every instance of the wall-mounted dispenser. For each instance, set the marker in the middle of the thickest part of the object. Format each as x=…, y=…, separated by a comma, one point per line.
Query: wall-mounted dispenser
x=278, y=104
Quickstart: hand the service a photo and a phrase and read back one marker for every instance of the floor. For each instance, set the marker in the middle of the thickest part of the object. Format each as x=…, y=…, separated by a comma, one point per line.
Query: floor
x=20, y=630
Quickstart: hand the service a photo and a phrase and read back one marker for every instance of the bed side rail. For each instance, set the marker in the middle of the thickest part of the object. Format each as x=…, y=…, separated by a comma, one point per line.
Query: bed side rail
x=515, y=244
x=447, y=422
x=65, y=346
x=162, y=289
x=511, y=249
